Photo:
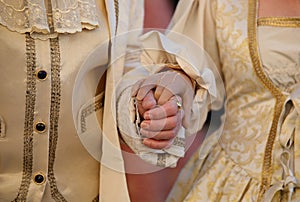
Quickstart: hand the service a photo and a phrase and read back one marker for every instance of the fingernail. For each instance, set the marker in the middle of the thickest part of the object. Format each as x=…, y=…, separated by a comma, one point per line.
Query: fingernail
x=147, y=115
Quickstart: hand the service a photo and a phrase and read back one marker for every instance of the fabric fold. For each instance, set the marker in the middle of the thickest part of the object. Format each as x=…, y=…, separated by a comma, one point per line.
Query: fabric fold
x=289, y=140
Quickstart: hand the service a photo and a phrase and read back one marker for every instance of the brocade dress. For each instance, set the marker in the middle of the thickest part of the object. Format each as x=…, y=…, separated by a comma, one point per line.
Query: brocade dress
x=255, y=154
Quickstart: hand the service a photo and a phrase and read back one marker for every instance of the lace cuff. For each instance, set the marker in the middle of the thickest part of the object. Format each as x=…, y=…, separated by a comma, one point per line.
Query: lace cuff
x=68, y=16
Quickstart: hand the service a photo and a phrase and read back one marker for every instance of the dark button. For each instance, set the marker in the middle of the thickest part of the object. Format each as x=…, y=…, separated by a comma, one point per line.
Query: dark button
x=39, y=178
x=40, y=127
x=41, y=74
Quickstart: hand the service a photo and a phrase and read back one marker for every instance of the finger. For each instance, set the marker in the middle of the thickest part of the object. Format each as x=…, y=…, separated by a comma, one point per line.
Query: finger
x=157, y=144
x=168, y=109
x=158, y=91
x=162, y=135
x=140, y=108
x=143, y=90
x=165, y=96
x=177, y=100
x=158, y=125
x=148, y=84
x=136, y=87
x=170, y=87
x=149, y=101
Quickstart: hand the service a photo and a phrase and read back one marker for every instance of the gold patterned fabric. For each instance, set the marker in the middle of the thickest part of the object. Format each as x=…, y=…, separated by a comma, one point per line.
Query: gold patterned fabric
x=254, y=156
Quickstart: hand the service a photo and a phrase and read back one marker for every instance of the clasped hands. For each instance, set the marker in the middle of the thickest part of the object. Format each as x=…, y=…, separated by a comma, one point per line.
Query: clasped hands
x=164, y=102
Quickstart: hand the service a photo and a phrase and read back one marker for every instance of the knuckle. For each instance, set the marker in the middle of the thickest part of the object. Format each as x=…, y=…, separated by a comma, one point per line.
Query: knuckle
x=173, y=122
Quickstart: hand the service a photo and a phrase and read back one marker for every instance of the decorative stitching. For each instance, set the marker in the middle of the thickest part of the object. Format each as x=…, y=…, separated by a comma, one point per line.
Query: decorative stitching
x=116, y=4
x=253, y=48
x=2, y=128
x=161, y=159
x=178, y=141
x=29, y=118
x=88, y=110
x=279, y=22
x=54, y=116
x=54, y=107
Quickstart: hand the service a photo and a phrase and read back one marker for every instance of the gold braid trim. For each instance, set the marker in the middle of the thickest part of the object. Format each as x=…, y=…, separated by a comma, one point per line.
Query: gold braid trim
x=54, y=107
x=54, y=116
x=116, y=4
x=267, y=170
x=279, y=22
x=29, y=119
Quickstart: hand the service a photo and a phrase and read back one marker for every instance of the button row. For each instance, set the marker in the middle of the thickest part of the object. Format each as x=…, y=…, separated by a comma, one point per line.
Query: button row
x=40, y=127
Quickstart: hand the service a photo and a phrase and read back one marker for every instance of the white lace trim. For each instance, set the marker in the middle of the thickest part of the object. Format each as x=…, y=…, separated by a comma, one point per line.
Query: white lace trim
x=69, y=16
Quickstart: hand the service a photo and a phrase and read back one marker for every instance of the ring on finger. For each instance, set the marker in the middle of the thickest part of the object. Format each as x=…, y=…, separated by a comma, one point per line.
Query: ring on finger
x=179, y=105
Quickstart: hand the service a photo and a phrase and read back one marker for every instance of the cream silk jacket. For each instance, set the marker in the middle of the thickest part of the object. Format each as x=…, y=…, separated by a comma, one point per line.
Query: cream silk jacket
x=53, y=55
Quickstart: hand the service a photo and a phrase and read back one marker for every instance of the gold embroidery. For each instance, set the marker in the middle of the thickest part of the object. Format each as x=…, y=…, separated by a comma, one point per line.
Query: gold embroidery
x=161, y=160
x=116, y=4
x=253, y=48
x=2, y=128
x=279, y=22
x=54, y=115
x=88, y=111
x=180, y=142
x=29, y=117
x=54, y=106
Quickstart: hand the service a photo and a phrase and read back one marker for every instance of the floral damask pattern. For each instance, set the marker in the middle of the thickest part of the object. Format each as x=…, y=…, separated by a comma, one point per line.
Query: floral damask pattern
x=240, y=141
x=234, y=166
